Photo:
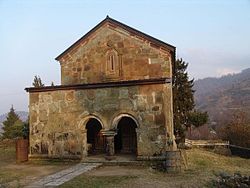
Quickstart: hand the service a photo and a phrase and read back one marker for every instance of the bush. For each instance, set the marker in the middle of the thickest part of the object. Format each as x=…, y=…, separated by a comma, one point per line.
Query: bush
x=225, y=180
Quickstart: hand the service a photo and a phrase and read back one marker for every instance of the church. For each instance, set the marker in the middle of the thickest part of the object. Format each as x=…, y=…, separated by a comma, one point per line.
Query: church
x=115, y=97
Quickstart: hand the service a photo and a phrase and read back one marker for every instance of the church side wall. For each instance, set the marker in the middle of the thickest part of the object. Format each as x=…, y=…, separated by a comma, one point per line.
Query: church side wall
x=58, y=118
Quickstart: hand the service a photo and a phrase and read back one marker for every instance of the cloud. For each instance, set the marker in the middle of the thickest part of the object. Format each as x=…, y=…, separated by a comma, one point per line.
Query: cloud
x=226, y=71
x=205, y=62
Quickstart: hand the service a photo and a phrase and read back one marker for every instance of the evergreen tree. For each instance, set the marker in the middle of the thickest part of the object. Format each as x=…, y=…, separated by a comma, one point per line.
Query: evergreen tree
x=183, y=101
x=25, y=129
x=197, y=118
x=37, y=82
x=10, y=125
x=16, y=129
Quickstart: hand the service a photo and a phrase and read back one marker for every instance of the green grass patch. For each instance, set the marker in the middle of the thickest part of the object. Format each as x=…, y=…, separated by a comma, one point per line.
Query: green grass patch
x=96, y=182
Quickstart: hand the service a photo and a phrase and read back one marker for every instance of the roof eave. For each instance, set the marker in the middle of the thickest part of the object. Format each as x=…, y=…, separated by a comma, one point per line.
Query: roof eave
x=79, y=40
x=123, y=26
x=123, y=83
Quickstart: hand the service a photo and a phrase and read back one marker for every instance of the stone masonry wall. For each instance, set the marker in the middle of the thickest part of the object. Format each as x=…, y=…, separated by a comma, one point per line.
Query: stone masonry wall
x=136, y=59
x=58, y=118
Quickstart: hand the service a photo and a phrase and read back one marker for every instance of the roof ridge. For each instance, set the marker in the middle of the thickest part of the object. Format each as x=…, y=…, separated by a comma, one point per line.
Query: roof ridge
x=123, y=26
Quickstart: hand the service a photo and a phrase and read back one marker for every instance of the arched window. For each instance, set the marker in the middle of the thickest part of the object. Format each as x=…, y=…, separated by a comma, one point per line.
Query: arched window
x=112, y=62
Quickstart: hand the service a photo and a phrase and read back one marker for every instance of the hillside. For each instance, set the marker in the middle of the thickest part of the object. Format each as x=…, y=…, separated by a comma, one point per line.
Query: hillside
x=221, y=97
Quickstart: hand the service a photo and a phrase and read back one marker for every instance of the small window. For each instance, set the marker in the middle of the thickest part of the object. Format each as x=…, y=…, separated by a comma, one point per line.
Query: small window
x=112, y=61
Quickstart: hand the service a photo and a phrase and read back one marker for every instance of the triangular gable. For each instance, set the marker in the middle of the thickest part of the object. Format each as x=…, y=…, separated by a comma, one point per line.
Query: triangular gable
x=155, y=42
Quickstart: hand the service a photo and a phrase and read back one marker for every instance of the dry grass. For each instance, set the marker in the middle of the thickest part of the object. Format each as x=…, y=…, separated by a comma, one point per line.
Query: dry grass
x=203, y=167
x=214, y=163
x=18, y=175
x=7, y=156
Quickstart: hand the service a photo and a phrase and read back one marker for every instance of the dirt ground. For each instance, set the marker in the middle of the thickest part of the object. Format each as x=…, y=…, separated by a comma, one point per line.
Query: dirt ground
x=202, y=169
x=18, y=175
x=144, y=177
x=24, y=174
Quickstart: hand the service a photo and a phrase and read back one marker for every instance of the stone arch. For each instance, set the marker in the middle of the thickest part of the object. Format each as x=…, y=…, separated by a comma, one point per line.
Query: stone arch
x=126, y=138
x=96, y=141
x=120, y=116
x=84, y=121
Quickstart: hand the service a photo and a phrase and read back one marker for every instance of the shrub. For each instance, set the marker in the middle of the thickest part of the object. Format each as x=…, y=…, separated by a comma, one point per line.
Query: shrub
x=225, y=180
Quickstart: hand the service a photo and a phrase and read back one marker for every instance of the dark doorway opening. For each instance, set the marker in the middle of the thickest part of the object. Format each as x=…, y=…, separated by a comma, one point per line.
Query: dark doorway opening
x=125, y=140
x=95, y=139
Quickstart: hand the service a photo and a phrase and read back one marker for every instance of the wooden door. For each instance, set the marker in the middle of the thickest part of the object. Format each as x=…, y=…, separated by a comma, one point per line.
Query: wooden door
x=128, y=136
x=99, y=142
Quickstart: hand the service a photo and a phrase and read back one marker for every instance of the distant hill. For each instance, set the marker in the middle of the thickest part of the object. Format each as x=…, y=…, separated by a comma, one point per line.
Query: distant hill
x=22, y=115
x=221, y=97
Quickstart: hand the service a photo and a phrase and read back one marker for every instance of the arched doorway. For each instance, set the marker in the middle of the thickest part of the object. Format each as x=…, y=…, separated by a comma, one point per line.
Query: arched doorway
x=125, y=140
x=95, y=139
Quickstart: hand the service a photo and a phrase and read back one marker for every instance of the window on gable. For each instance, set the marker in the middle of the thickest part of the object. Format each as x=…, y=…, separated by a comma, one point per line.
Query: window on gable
x=112, y=61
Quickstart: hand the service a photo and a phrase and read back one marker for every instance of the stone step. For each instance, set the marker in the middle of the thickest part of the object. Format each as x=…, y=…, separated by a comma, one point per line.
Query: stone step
x=121, y=163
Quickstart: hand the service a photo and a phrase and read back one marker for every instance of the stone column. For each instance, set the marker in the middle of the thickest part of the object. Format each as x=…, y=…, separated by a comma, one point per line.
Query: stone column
x=168, y=113
x=110, y=145
x=84, y=143
x=138, y=141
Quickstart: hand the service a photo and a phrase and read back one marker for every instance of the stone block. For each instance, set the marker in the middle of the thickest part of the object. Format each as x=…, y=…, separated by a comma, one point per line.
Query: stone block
x=33, y=117
x=57, y=96
x=53, y=108
x=34, y=98
x=155, y=108
x=159, y=98
x=123, y=93
x=125, y=104
x=160, y=119
x=43, y=116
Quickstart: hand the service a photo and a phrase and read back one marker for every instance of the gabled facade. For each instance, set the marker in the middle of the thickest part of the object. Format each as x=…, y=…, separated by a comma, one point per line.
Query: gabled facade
x=115, y=97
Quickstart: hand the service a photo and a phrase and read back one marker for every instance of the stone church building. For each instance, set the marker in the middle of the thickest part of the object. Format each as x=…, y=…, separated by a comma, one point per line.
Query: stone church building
x=115, y=97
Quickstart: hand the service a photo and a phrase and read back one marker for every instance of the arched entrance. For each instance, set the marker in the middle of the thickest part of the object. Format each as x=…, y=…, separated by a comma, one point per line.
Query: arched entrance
x=95, y=139
x=125, y=140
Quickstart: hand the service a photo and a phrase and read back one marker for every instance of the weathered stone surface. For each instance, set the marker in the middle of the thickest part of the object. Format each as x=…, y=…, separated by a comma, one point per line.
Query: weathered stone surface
x=63, y=117
x=137, y=59
x=58, y=118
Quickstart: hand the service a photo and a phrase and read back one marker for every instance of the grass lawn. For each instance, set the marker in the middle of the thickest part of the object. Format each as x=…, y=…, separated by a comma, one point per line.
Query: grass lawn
x=203, y=167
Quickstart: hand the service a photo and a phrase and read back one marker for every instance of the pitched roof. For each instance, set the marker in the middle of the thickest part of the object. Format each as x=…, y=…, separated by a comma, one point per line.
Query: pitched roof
x=131, y=30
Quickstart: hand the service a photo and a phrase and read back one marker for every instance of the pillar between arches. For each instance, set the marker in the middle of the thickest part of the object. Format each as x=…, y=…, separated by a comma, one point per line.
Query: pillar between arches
x=110, y=145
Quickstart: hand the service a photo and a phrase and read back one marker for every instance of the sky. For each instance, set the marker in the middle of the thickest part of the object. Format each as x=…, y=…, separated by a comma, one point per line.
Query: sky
x=213, y=36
